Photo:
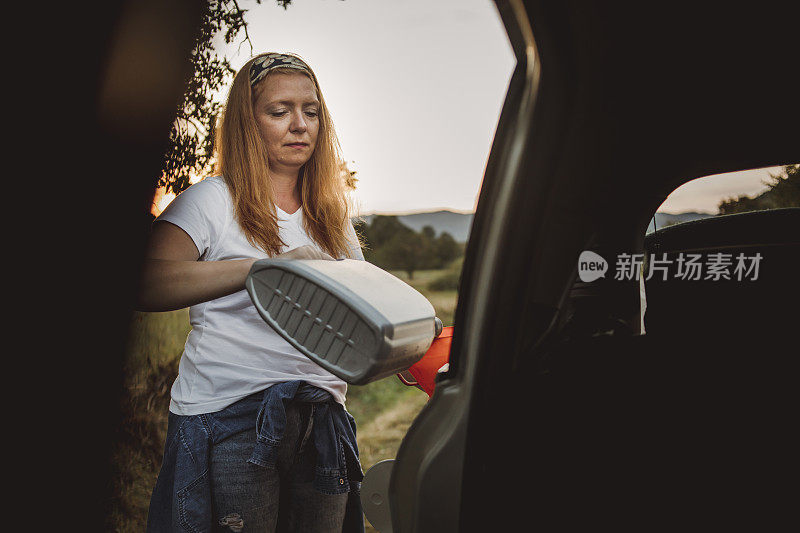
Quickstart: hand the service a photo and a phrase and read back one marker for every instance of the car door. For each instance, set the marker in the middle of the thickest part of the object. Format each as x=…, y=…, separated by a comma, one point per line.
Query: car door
x=557, y=412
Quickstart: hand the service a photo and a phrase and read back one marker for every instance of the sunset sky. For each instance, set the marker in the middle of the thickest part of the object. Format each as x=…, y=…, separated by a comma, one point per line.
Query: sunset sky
x=415, y=89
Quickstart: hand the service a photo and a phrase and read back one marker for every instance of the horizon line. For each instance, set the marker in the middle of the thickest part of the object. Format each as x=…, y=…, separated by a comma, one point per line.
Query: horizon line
x=418, y=212
x=465, y=212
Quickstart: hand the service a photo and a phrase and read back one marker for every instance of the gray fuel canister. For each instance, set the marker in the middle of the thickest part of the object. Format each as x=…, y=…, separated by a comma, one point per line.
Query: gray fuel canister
x=352, y=318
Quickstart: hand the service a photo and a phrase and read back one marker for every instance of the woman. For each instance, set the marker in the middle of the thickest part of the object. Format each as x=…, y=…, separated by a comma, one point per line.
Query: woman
x=279, y=190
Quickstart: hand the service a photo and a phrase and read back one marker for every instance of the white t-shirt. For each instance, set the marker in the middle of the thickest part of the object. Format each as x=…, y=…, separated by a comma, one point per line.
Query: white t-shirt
x=231, y=352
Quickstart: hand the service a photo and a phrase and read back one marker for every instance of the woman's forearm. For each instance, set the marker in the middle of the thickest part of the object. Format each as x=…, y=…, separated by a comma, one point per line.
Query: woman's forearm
x=168, y=285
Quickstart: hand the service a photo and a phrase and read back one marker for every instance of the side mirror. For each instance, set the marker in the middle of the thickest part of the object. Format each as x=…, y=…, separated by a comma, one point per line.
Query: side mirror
x=350, y=317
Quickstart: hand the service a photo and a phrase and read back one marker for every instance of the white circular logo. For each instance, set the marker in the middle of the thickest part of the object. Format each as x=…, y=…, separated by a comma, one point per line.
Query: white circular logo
x=591, y=266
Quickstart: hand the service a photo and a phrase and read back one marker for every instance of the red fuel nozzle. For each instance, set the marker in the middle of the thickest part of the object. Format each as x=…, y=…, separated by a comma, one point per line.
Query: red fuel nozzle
x=423, y=373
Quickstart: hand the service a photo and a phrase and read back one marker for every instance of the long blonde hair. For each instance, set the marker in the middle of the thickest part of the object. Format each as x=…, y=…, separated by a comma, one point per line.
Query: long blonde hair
x=242, y=161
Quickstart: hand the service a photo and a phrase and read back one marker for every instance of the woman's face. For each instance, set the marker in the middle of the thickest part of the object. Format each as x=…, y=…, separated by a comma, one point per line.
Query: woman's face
x=287, y=113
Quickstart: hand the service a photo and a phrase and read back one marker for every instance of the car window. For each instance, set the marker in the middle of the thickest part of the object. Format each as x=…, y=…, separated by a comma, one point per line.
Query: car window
x=723, y=252
x=732, y=192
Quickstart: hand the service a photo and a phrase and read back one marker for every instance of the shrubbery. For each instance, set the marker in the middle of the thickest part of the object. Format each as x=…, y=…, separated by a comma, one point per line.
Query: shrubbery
x=783, y=191
x=446, y=282
x=393, y=246
x=449, y=279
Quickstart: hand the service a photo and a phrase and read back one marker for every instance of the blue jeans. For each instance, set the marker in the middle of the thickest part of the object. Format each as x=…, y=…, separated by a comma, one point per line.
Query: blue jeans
x=284, y=459
x=247, y=497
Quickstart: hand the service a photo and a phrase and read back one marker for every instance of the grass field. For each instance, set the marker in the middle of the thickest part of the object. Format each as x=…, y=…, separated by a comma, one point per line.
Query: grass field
x=383, y=409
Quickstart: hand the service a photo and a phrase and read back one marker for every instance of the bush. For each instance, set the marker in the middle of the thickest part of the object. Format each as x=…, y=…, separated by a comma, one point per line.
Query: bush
x=448, y=281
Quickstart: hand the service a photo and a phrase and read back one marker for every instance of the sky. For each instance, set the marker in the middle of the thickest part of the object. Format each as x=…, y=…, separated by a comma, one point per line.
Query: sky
x=704, y=194
x=415, y=89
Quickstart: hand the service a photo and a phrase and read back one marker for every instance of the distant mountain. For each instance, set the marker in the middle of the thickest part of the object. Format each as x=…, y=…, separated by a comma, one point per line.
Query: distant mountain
x=456, y=224
x=459, y=224
x=666, y=219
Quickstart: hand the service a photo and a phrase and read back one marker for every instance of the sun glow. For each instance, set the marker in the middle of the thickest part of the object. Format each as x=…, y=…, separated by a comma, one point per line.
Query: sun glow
x=162, y=198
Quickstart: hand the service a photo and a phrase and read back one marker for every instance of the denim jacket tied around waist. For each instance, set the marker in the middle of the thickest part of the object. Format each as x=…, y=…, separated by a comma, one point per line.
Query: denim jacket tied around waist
x=181, y=500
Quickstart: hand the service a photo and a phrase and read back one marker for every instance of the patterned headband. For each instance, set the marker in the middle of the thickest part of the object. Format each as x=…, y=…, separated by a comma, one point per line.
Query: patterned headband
x=267, y=62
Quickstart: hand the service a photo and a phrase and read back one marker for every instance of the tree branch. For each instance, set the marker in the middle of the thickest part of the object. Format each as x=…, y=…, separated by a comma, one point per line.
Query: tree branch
x=244, y=27
x=197, y=125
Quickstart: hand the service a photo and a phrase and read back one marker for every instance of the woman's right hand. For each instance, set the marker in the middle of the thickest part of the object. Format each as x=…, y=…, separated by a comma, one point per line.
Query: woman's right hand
x=173, y=278
x=304, y=252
